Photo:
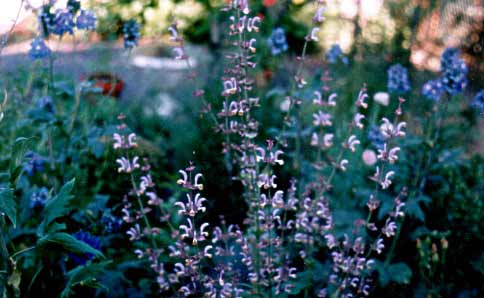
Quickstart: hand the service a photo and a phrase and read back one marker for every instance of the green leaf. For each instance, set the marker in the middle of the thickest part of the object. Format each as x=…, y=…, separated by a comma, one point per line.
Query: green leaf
x=8, y=205
x=19, y=148
x=399, y=273
x=85, y=276
x=70, y=243
x=59, y=205
x=413, y=209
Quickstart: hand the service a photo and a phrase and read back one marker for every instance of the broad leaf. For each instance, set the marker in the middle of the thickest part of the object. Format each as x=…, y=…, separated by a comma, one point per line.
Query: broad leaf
x=59, y=205
x=19, y=148
x=399, y=273
x=70, y=243
x=8, y=205
x=85, y=276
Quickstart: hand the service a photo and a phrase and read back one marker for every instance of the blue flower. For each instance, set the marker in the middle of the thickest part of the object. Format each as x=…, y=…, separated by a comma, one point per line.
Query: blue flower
x=454, y=71
x=433, y=89
x=111, y=223
x=45, y=103
x=33, y=163
x=376, y=137
x=277, y=41
x=86, y=20
x=63, y=23
x=335, y=53
x=93, y=241
x=398, y=79
x=39, y=198
x=38, y=49
x=447, y=57
x=478, y=101
x=131, y=34
x=46, y=21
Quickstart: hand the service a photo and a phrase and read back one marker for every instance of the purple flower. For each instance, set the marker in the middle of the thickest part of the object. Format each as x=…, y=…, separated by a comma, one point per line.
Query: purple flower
x=277, y=41
x=398, y=81
x=433, y=89
x=38, y=49
x=478, y=101
x=335, y=53
x=131, y=34
x=93, y=241
x=86, y=20
x=63, y=23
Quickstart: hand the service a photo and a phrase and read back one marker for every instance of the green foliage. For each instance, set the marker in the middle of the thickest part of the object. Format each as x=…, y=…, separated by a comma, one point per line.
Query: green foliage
x=399, y=273
x=8, y=205
x=19, y=148
x=59, y=205
x=84, y=276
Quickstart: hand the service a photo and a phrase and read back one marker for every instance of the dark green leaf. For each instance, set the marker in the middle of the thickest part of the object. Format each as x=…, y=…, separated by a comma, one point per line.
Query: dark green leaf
x=19, y=148
x=59, y=205
x=85, y=276
x=8, y=205
x=398, y=272
x=69, y=243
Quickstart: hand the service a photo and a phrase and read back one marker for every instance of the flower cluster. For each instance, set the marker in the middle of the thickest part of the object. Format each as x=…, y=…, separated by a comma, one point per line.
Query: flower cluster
x=60, y=22
x=141, y=200
x=351, y=263
x=398, y=81
x=86, y=20
x=38, y=49
x=39, y=198
x=454, y=71
x=277, y=41
x=131, y=34
x=433, y=89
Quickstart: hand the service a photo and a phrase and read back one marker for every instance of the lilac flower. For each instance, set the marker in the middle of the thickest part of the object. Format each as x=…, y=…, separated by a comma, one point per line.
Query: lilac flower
x=335, y=53
x=34, y=163
x=478, y=101
x=39, y=198
x=86, y=20
x=93, y=241
x=131, y=34
x=433, y=90
x=63, y=23
x=277, y=41
x=398, y=81
x=454, y=71
x=38, y=49
x=322, y=119
x=127, y=166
